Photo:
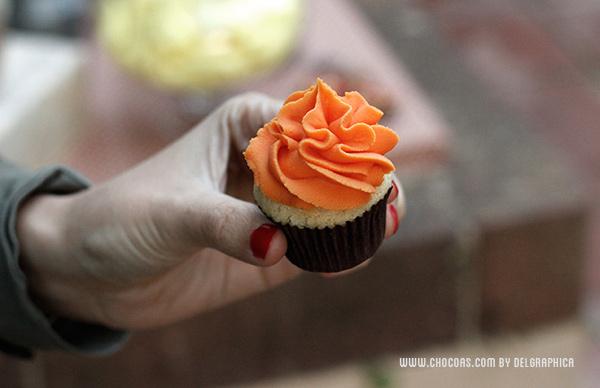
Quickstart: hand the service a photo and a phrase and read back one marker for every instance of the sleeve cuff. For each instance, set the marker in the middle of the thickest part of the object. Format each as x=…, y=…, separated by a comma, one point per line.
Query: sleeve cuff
x=23, y=326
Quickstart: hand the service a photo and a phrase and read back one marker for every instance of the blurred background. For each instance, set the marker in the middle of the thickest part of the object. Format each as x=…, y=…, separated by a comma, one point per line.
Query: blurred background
x=497, y=105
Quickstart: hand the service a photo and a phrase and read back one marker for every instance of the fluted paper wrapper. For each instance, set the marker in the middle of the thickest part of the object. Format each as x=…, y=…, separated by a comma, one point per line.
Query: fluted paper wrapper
x=338, y=248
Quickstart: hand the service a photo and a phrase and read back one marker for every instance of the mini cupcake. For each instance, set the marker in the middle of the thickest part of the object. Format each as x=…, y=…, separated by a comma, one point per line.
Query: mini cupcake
x=320, y=174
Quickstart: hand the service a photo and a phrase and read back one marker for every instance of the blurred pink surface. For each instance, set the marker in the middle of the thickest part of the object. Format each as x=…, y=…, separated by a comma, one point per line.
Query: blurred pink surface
x=129, y=120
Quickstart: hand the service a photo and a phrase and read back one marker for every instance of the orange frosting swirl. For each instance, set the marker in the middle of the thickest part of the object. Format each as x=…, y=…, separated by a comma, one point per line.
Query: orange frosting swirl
x=322, y=150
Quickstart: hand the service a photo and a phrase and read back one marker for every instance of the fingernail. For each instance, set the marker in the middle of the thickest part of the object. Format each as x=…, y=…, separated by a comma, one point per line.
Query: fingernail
x=394, y=214
x=394, y=193
x=260, y=240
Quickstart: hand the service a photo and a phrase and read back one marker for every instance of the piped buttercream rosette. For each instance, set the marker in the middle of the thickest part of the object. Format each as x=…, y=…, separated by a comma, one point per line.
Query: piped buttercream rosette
x=322, y=150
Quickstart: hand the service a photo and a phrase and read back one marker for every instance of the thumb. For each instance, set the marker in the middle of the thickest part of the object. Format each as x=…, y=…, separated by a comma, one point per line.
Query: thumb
x=238, y=229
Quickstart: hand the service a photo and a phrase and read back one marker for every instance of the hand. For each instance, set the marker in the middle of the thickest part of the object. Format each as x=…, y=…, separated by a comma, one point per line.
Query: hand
x=162, y=241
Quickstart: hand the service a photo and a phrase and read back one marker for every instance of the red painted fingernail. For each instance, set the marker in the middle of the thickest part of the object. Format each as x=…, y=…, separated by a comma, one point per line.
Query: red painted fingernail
x=394, y=193
x=394, y=214
x=260, y=240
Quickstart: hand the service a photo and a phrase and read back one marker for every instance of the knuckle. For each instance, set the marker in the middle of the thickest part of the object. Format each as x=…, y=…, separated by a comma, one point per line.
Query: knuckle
x=220, y=220
x=244, y=100
x=252, y=96
x=181, y=214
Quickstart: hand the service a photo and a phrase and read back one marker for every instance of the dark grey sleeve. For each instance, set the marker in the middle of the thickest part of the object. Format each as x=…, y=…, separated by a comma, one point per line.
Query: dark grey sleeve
x=23, y=326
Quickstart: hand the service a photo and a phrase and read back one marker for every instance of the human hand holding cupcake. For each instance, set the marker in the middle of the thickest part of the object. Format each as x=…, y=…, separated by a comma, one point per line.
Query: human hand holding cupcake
x=321, y=175
x=164, y=240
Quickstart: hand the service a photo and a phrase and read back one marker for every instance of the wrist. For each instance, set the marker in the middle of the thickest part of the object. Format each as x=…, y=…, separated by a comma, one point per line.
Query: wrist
x=53, y=279
x=40, y=229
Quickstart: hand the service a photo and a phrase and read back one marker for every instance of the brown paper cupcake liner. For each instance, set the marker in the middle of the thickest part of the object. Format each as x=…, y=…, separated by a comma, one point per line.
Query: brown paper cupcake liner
x=338, y=248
